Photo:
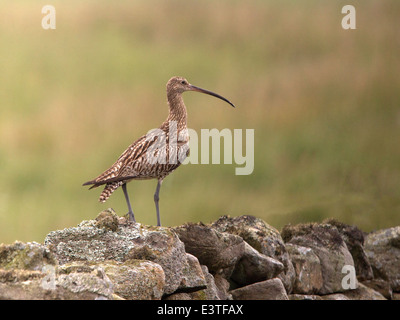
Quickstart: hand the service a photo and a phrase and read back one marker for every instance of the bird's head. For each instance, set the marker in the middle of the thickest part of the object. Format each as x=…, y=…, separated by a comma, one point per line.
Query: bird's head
x=180, y=85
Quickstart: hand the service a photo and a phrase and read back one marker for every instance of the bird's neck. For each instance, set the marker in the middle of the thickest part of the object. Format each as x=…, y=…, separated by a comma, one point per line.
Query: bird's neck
x=177, y=110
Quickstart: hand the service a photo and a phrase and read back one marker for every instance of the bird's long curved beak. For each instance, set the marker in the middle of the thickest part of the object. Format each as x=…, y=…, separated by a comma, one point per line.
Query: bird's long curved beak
x=194, y=88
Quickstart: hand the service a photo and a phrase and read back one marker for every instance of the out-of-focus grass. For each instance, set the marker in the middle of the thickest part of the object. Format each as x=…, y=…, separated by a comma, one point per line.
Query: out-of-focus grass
x=324, y=103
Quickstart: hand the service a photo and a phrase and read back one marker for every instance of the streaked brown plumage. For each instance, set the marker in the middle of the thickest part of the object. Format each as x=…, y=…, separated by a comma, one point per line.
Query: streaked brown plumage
x=169, y=145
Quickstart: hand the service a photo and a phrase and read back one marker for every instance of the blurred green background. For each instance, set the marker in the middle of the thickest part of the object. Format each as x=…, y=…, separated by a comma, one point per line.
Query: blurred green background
x=324, y=103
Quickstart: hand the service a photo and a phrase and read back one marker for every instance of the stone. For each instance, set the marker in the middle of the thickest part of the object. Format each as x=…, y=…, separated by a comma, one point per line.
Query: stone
x=72, y=287
x=108, y=220
x=327, y=244
x=217, y=250
x=211, y=293
x=262, y=237
x=27, y=256
x=162, y=245
x=192, y=278
x=363, y=293
x=308, y=269
x=180, y=296
x=49, y=284
x=383, y=251
x=297, y=296
x=396, y=296
x=381, y=286
x=86, y=285
x=354, y=239
x=255, y=267
x=271, y=289
x=131, y=279
x=244, y=258
x=29, y=271
x=91, y=241
x=216, y=289
x=334, y=296
x=223, y=286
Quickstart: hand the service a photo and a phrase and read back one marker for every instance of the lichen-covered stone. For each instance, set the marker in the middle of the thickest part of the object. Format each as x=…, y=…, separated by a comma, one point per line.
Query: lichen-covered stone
x=363, y=293
x=192, y=275
x=223, y=287
x=262, y=237
x=219, y=251
x=94, y=283
x=354, y=239
x=328, y=245
x=73, y=287
x=28, y=256
x=271, y=289
x=131, y=279
x=297, y=296
x=383, y=251
x=91, y=241
x=381, y=286
x=16, y=275
x=334, y=296
x=108, y=220
x=112, y=258
x=162, y=245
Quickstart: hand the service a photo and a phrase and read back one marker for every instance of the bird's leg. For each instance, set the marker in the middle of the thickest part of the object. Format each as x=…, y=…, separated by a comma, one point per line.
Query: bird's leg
x=156, y=198
x=130, y=213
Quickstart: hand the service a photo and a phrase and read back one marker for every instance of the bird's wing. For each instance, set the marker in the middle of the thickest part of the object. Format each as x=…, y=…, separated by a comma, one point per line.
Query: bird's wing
x=122, y=169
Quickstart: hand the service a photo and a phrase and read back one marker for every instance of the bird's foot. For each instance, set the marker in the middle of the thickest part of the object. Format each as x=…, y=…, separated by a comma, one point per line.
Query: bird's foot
x=131, y=216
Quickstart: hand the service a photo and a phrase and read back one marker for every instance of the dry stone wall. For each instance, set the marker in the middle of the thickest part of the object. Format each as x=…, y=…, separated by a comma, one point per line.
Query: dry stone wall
x=231, y=258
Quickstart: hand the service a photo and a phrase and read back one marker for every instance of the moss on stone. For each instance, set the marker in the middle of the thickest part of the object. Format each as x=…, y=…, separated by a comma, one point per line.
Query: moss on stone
x=108, y=220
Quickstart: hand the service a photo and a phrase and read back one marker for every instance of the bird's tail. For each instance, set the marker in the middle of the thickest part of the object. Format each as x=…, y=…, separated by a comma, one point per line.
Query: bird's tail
x=109, y=189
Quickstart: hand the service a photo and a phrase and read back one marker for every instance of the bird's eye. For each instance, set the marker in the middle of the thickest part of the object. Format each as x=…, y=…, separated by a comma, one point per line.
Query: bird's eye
x=183, y=82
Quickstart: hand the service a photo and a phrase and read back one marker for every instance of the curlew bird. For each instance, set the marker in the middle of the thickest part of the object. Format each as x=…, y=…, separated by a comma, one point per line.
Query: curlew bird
x=156, y=154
